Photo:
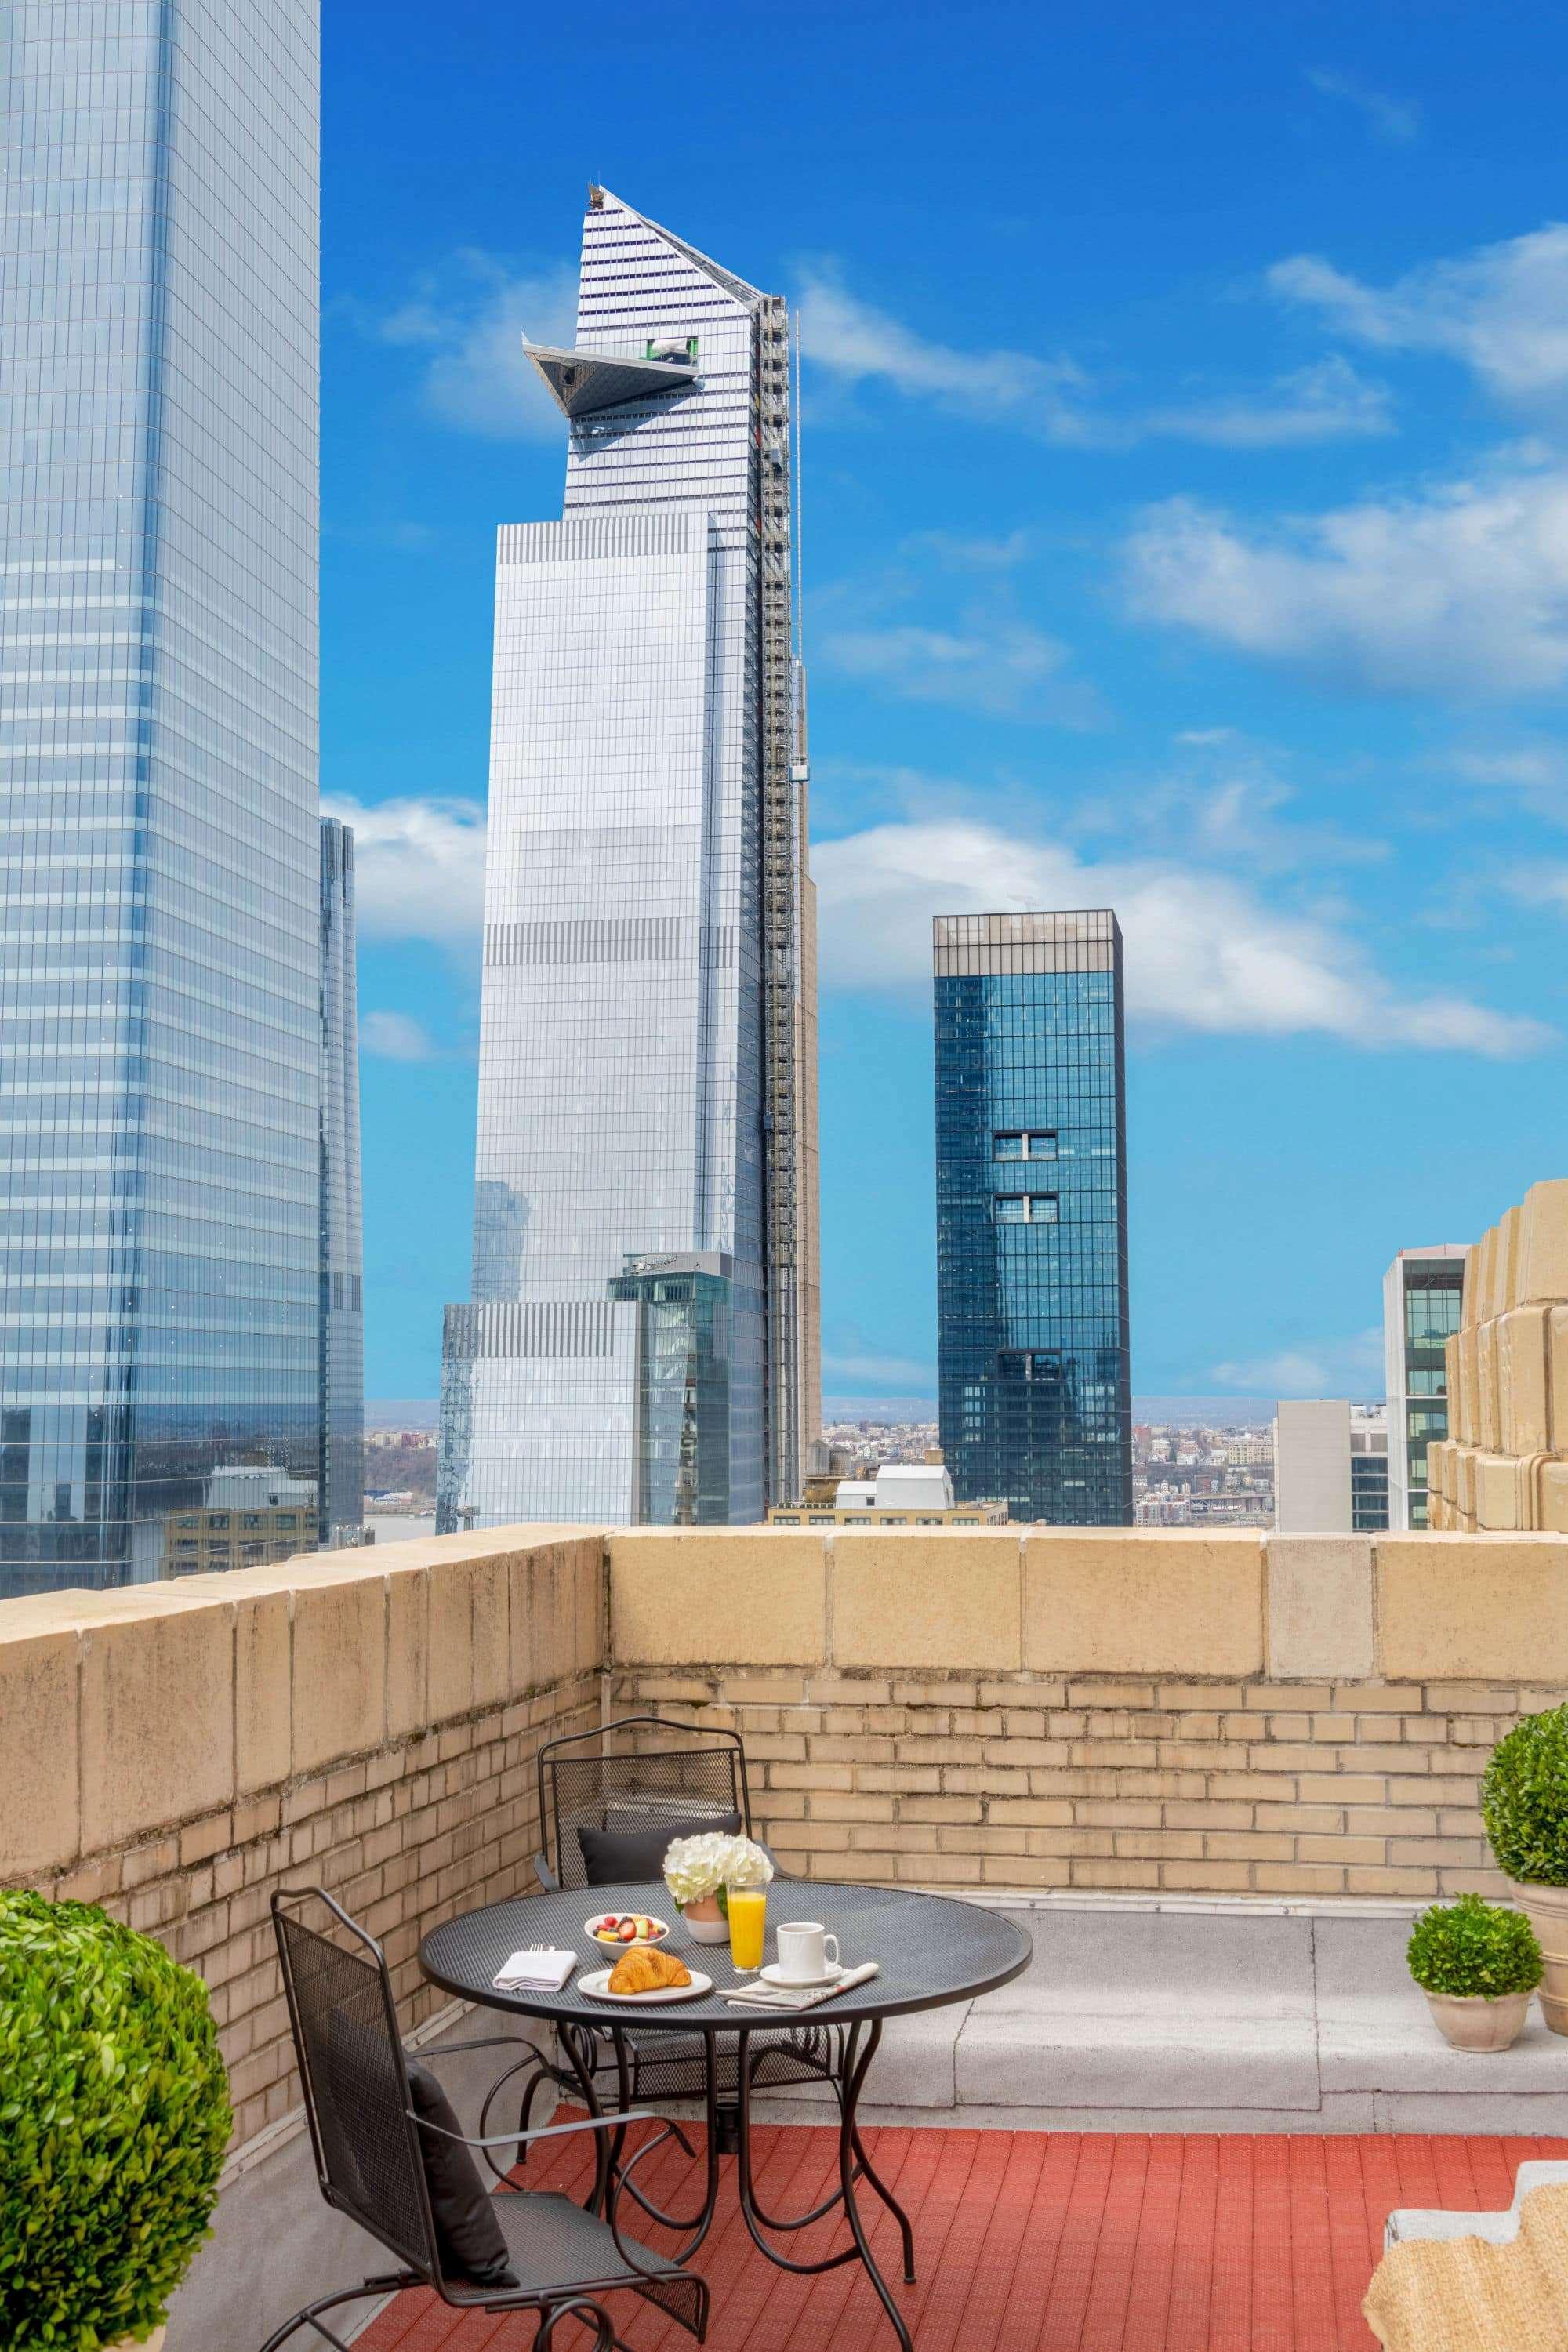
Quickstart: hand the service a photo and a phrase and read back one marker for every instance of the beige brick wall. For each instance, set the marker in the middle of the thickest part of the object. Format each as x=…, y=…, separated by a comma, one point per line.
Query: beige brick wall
x=1196, y=1714
x=1095, y=1710
x=364, y=1722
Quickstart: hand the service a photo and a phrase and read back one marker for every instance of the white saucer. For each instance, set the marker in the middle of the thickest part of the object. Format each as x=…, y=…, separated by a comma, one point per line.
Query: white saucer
x=772, y=1975
x=597, y=1987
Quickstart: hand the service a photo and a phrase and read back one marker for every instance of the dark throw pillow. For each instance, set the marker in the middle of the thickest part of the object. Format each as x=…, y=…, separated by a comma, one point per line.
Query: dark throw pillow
x=622, y=1857
x=467, y=2230
x=360, y=2083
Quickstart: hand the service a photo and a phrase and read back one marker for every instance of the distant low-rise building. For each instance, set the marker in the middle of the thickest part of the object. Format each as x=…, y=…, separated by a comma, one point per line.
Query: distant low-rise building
x=901, y=1494
x=1331, y=1467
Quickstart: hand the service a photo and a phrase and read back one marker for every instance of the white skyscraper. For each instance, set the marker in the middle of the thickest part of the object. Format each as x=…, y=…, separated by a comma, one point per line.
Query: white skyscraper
x=641, y=1342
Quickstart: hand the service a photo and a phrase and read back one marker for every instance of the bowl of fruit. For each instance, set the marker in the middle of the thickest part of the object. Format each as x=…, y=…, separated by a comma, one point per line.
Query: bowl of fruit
x=621, y=1927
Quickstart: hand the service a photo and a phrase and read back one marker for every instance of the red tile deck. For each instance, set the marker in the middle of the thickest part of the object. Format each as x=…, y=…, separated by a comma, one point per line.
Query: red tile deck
x=1043, y=2241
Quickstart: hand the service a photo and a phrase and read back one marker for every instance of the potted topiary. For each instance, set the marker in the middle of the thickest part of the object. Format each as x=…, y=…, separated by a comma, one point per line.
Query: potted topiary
x=114, y=2116
x=1524, y=1803
x=1477, y=1963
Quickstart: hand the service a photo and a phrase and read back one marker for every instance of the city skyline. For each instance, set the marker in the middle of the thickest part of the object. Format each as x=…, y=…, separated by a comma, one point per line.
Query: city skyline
x=639, y=1339
x=164, y=1127
x=1332, y=834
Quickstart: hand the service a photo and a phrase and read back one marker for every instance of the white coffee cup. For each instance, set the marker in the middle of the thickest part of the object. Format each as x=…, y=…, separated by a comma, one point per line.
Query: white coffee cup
x=804, y=1956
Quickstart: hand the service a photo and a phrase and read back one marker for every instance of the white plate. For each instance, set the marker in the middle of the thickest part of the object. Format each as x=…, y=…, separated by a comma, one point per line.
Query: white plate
x=597, y=1987
x=774, y=1975
x=591, y=1929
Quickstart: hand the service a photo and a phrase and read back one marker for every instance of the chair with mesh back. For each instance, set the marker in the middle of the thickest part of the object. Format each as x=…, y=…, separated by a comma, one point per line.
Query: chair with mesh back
x=632, y=1776
x=368, y=2142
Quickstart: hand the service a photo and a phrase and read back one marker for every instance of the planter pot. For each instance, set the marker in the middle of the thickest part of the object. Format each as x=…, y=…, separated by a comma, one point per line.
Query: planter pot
x=705, y=1921
x=1546, y=1908
x=1479, y=2021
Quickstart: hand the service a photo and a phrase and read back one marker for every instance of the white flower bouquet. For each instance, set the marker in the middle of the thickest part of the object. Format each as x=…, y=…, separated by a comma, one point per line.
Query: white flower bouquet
x=699, y=1872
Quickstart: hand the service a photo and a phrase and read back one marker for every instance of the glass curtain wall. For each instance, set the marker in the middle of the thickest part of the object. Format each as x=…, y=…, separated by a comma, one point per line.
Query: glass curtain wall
x=159, y=985
x=1034, y=1399
x=340, y=1447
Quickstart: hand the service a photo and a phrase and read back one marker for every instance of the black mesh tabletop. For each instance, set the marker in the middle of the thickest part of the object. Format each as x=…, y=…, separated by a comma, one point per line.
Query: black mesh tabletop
x=930, y=1948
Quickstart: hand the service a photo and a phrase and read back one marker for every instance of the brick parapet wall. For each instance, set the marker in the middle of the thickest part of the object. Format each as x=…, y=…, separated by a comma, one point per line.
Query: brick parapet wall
x=1075, y=1710
x=394, y=1681
x=1101, y=1783
x=1192, y=1714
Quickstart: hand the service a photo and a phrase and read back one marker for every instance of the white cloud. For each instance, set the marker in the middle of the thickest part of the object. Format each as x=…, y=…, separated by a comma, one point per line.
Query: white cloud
x=858, y=344
x=1203, y=952
x=470, y=319
x=1318, y=1367
x=420, y=869
x=1328, y=402
x=1529, y=768
x=1397, y=119
x=1004, y=667
x=396, y=1038
x=1502, y=311
x=1462, y=589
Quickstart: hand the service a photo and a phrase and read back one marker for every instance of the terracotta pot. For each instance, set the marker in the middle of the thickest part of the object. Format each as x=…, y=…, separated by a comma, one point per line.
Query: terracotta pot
x=706, y=1921
x=1479, y=2021
x=1546, y=1908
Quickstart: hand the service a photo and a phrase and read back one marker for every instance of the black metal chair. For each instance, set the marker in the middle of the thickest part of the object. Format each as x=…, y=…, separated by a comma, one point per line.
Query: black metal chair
x=366, y=2135
x=632, y=1786
x=617, y=1778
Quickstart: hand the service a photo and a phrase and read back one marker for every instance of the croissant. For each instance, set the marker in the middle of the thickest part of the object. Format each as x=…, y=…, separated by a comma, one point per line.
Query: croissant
x=644, y=1968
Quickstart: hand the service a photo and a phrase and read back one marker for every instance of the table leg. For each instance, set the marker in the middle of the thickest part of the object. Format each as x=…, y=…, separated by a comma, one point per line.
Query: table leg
x=568, y=2039
x=702, y=2221
x=855, y=2063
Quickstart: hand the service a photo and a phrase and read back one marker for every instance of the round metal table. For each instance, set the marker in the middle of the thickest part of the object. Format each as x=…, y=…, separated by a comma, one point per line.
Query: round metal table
x=931, y=1951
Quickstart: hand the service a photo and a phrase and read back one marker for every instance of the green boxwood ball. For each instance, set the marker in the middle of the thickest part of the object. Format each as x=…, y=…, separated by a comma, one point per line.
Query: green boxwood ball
x=1524, y=1800
x=114, y=2117
x=1474, y=1947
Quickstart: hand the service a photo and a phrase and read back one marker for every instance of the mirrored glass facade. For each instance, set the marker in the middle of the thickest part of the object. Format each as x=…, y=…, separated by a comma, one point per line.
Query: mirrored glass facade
x=1421, y=1301
x=1031, y=1161
x=159, y=1000
x=643, y=1230
x=341, y=1324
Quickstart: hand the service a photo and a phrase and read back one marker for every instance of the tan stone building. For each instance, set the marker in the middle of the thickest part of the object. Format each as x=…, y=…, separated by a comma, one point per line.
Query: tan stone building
x=1504, y=1465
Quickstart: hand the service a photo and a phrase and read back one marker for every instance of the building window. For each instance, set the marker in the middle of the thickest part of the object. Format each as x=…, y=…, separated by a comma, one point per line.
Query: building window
x=1025, y=1208
x=1026, y=1143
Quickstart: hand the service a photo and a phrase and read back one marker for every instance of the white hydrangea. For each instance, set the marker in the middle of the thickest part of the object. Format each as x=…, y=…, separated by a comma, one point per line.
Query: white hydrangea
x=696, y=1866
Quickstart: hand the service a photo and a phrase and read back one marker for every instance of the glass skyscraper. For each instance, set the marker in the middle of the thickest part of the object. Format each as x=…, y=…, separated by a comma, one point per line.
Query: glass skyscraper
x=641, y=1341
x=1031, y=1173
x=341, y=1331
x=160, y=982
x=1421, y=1300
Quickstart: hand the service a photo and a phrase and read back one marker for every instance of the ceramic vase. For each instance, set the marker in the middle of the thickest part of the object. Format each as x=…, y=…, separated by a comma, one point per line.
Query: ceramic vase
x=1546, y=1908
x=705, y=1921
x=1479, y=2021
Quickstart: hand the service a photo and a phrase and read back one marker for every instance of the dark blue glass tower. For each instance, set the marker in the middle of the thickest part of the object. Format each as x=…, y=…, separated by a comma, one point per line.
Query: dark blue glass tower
x=1031, y=1177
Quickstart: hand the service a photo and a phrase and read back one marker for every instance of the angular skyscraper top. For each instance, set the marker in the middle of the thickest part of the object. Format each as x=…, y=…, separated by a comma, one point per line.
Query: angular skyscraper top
x=641, y=1342
x=1031, y=1173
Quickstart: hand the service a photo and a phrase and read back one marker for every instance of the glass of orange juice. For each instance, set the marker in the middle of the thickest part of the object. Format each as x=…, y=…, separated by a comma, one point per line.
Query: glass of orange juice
x=748, y=1907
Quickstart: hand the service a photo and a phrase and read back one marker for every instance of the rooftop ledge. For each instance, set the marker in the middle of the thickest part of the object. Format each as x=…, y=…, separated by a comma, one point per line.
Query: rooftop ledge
x=1067, y=1712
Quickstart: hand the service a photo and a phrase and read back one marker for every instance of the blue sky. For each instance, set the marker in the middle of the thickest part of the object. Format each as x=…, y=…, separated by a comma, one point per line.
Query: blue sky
x=1185, y=531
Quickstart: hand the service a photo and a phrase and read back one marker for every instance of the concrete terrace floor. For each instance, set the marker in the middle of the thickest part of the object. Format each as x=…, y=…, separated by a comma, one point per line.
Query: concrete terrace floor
x=1149, y=2014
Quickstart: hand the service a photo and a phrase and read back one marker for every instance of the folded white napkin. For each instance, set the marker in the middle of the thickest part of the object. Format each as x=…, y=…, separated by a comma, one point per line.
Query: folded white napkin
x=536, y=1971
x=766, y=1996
